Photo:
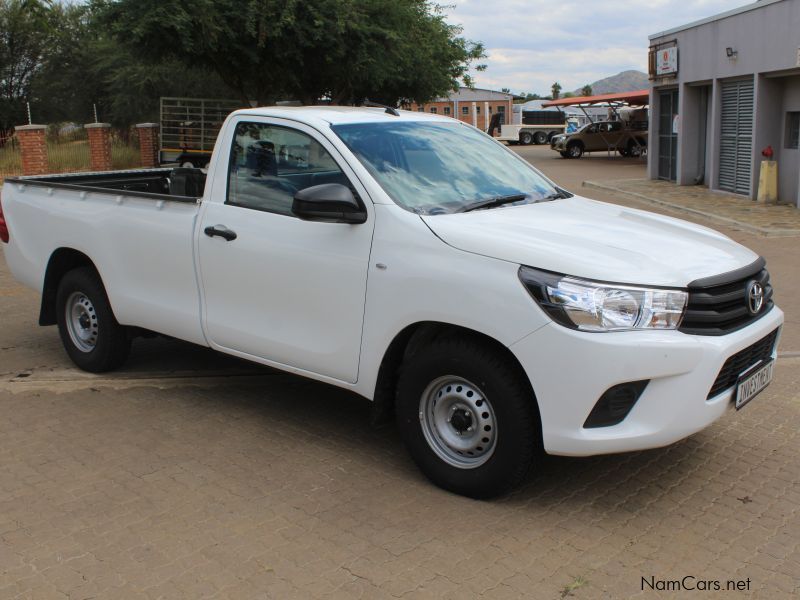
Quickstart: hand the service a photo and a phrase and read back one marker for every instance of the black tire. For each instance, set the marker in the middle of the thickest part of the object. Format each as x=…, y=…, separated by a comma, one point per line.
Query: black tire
x=575, y=150
x=635, y=150
x=110, y=345
x=517, y=440
x=623, y=152
x=539, y=138
x=564, y=154
x=526, y=138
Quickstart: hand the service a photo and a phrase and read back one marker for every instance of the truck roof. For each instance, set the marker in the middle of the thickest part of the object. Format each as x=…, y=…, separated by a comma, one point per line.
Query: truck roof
x=336, y=115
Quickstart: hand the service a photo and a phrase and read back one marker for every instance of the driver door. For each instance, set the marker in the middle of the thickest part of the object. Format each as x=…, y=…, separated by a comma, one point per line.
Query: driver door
x=276, y=288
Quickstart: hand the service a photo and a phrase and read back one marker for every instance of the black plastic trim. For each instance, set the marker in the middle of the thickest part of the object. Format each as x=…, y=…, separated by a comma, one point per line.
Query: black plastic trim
x=606, y=414
x=753, y=268
x=51, y=182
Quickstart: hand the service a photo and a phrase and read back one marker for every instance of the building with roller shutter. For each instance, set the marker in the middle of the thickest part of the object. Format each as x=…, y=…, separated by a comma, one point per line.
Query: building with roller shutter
x=722, y=90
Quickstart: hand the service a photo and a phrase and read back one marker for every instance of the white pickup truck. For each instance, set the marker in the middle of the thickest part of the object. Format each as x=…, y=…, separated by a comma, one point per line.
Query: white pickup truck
x=416, y=261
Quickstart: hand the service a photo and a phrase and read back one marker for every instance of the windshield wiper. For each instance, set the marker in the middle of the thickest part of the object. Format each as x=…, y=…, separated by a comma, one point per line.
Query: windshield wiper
x=492, y=202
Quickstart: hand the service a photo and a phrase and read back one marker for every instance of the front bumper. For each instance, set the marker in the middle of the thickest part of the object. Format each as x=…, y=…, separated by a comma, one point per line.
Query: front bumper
x=559, y=145
x=569, y=370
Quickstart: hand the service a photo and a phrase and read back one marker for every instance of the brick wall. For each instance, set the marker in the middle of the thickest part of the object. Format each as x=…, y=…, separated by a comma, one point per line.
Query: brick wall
x=476, y=109
x=148, y=144
x=99, y=146
x=33, y=147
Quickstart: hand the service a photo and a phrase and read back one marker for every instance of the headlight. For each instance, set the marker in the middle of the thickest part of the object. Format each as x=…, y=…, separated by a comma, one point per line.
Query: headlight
x=595, y=306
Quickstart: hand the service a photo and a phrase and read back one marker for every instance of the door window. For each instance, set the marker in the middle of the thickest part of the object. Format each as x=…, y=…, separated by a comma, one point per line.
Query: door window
x=270, y=164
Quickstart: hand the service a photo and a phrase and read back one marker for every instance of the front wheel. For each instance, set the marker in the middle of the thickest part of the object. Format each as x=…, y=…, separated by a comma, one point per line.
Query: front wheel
x=468, y=417
x=575, y=150
x=91, y=335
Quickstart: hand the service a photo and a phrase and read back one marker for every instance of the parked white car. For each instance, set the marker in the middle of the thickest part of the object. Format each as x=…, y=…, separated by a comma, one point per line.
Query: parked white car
x=416, y=261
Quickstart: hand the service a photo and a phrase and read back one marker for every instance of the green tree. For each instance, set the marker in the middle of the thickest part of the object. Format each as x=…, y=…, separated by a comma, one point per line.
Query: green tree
x=83, y=67
x=526, y=97
x=586, y=90
x=24, y=36
x=556, y=90
x=391, y=51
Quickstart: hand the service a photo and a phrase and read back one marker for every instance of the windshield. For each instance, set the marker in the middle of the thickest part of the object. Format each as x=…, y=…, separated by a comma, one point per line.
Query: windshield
x=435, y=168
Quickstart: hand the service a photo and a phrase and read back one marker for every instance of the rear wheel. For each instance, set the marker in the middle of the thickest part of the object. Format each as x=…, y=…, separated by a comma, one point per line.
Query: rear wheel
x=634, y=149
x=526, y=138
x=91, y=335
x=467, y=417
x=540, y=137
x=575, y=150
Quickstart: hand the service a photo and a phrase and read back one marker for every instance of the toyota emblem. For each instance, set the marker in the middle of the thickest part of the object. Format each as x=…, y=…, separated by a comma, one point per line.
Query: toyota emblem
x=755, y=297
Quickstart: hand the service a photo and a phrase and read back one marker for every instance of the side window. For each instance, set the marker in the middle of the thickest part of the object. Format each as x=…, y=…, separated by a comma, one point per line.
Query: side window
x=615, y=126
x=269, y=164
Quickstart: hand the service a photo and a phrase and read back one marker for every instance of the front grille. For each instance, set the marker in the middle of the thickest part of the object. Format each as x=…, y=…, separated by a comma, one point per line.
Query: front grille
x=719, y=305
x=741, y=361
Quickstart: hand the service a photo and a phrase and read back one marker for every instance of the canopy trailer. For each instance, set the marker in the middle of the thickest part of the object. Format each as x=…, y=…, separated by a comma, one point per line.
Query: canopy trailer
x=189, y=128
x=635, y=119
x=529, y=126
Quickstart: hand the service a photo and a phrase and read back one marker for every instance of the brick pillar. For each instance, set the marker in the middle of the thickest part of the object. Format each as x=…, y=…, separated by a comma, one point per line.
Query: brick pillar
x=99, y=145
x=148, y=144
x=33, y=146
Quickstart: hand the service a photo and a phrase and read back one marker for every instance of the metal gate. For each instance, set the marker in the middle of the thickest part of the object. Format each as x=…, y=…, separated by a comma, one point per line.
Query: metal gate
x=736, y=137
x=667, y=136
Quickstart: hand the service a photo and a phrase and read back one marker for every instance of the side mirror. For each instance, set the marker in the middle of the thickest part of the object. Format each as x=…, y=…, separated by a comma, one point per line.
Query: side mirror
x=331, y=202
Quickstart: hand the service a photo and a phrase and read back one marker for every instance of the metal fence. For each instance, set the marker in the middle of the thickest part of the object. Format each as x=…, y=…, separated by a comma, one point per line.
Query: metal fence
x=68, y=150
x=10, y=156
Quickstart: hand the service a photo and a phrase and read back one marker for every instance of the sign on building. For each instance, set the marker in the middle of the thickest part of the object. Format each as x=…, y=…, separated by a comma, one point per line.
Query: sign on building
x=667, y=61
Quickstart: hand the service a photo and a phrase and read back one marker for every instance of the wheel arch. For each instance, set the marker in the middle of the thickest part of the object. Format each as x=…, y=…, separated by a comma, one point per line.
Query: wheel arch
x=61, y=261
x=417, y=335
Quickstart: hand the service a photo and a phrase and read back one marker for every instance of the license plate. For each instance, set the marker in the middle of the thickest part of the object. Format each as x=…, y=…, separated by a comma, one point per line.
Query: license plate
x=752, y=382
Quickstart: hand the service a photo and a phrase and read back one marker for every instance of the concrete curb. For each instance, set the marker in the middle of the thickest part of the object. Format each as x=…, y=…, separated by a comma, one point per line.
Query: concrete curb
x=765, y=231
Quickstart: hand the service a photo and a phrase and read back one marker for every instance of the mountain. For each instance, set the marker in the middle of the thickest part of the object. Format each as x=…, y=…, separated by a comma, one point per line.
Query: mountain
x=627, y=81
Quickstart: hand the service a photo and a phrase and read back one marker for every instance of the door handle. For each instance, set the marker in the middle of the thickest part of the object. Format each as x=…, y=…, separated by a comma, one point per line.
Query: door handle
x=220, y=231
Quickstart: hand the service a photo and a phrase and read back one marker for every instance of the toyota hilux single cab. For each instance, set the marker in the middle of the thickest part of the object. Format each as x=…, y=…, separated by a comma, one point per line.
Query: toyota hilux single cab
x=416, y=261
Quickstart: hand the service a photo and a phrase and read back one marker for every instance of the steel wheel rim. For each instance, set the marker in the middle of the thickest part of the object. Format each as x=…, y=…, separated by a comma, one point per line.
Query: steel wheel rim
x=458, y=422
x=81, y=319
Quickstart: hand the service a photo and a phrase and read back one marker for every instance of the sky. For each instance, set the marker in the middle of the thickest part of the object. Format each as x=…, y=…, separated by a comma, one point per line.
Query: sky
x=532, y=43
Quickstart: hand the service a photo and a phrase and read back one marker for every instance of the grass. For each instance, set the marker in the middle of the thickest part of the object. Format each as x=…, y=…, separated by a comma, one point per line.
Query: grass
x=577, y=583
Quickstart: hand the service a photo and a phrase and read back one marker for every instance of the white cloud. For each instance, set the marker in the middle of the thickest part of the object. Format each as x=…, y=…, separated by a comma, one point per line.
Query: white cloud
x=532, y=43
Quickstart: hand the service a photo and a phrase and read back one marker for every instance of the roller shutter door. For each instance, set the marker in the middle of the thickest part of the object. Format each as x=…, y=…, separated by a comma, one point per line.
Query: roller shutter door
x=736, y=137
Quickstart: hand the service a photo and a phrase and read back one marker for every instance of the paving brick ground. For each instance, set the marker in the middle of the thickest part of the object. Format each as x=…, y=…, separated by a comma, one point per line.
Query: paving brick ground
x=723, y=208
x=190, y=475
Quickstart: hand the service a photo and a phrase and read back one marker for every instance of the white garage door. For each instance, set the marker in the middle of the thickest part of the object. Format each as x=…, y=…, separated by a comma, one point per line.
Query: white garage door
x=736, y=140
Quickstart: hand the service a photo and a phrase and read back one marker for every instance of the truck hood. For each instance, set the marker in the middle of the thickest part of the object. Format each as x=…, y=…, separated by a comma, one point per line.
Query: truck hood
x=594, y=240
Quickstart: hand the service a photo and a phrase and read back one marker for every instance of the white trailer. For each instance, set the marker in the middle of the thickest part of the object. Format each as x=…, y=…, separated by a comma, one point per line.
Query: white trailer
x=529, y=126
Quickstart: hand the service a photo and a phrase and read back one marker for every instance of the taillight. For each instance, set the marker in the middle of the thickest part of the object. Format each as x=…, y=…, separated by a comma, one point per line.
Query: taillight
x=3, y=224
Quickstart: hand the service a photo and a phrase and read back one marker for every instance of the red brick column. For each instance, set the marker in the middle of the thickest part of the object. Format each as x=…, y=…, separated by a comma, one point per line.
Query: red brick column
x=99, y=145
x=148, y=144
x=33, y=146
